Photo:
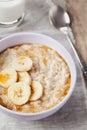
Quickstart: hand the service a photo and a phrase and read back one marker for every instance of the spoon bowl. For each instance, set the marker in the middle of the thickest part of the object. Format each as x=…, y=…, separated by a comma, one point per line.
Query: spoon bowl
x=59, y=17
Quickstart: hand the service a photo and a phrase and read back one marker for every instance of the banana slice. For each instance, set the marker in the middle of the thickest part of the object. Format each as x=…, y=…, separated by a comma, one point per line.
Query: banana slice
x=24, y=77
x=19, y=93
x=37, y=90
x=7, y=77
x=22, y=63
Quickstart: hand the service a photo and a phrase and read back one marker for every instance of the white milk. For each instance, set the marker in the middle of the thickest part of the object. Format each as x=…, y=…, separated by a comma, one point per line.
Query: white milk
x=11, y=10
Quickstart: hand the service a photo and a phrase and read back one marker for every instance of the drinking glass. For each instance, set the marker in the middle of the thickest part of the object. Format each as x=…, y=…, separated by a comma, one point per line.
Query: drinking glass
x=11, y=12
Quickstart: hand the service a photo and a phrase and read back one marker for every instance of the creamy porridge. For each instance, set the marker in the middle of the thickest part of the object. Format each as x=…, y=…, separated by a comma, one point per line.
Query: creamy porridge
x=33, y=78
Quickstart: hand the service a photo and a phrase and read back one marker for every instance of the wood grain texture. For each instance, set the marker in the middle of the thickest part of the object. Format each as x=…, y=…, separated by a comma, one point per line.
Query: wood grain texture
x=78, y=12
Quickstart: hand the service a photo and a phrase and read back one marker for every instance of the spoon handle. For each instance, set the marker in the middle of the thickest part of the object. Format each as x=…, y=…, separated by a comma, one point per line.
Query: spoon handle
x=78, y=56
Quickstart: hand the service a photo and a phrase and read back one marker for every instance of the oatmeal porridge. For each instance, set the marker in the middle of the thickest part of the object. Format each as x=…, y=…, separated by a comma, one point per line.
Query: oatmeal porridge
x=33, y=78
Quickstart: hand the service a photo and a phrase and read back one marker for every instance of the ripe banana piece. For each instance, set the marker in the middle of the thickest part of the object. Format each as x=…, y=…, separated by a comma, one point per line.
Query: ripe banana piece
x=24, y=77
x=19, y=93
x=7, y=77
x=22, y=63
x=37, y=90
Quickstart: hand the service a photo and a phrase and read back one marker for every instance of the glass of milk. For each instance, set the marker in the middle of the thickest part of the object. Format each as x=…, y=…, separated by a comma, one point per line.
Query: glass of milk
x=11, y=12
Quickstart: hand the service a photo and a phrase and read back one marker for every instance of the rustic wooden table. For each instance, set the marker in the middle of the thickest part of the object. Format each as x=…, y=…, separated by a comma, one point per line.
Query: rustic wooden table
x=73, y=116
x=77, y=10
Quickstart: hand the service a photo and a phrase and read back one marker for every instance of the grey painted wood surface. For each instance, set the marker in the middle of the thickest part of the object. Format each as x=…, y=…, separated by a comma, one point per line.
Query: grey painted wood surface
x=73, y=116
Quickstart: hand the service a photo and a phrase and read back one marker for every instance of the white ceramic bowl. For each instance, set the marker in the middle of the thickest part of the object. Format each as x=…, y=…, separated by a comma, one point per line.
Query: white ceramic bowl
x=45, y=40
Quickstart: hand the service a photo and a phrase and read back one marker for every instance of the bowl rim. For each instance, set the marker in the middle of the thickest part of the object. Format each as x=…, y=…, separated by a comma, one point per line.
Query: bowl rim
x=66, y=98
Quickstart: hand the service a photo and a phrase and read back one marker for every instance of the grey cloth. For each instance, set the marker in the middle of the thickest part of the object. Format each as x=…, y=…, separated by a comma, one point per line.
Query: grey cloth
x=73, y=115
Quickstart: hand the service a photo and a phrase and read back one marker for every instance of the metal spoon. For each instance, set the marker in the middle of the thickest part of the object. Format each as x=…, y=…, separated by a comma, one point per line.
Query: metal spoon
x=61, y=20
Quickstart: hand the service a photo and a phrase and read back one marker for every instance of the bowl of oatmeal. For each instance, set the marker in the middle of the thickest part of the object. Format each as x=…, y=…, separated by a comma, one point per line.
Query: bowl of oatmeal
x=37, y=76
